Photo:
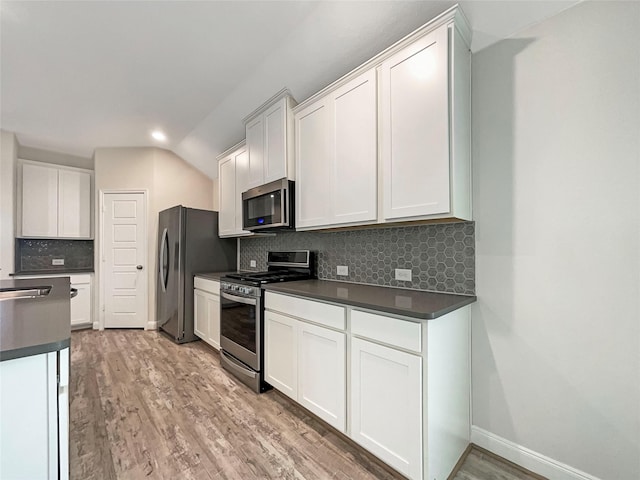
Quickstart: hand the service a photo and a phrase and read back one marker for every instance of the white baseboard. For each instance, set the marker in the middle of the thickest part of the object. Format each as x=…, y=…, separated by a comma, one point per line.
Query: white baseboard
x=525, y=457
x=96, y=325
x=151, y=325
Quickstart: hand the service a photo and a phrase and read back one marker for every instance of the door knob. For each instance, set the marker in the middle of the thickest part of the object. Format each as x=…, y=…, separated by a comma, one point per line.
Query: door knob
x=139, y=267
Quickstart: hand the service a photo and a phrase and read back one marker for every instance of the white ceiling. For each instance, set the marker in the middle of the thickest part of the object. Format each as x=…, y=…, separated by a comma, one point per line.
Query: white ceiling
x=75, y=76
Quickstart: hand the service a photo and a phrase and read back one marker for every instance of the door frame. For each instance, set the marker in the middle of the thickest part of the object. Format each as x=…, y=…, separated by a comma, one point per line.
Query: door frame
x=99, y=324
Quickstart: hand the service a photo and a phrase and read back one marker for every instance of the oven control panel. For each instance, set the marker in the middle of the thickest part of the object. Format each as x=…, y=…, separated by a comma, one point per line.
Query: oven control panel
x=240, y=289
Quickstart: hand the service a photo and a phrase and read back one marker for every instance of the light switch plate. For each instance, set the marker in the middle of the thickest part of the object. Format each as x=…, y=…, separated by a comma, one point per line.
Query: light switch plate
x=57, y=261
x=252, y=263
x=342, y=270
x=403, y=274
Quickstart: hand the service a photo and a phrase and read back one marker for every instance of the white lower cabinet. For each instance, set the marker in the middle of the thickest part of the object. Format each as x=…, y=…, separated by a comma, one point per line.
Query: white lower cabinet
x=386, y=404
x=281, y=353
x=206, y=311
x=307, y=362
x=34, y=409
x=406, y=380
x=321, y=373
x=81, y=303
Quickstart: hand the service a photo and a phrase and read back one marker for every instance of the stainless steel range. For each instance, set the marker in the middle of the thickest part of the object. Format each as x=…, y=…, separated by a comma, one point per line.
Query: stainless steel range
x=242, y=313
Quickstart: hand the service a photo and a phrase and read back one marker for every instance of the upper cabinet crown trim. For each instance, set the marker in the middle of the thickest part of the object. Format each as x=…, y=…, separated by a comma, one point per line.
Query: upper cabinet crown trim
x=452, y=15
x=22, y=161
x=284, y=93
x=231, y=150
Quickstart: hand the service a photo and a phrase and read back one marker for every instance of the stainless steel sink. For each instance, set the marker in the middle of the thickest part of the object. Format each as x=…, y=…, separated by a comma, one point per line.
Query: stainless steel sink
x=15, y=293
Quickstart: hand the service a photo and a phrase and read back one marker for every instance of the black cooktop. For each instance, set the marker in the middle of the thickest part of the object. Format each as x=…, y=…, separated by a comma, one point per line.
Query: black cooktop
x=283, y=267
x=270, y=276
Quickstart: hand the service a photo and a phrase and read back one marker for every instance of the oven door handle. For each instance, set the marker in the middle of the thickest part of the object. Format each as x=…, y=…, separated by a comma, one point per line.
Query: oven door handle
x=234, y=365
x=235, y=298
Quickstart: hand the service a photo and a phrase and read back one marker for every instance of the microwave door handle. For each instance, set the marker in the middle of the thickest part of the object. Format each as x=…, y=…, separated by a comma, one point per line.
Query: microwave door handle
x=283, y=201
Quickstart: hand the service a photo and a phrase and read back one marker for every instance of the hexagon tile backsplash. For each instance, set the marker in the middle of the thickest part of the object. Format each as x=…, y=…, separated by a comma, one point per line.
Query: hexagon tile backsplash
x=441, y=257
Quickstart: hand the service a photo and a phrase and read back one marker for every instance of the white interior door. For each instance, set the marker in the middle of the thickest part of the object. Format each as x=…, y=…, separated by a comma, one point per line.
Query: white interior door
x=125, y=274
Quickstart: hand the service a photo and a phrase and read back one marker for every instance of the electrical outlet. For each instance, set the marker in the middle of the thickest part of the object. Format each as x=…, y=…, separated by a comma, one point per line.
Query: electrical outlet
x=403, y=274
x=342, y=270
x=57, y=261
x=252, y=263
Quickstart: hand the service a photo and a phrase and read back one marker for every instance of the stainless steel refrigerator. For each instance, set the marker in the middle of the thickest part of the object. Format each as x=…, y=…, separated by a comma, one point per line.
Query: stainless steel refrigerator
x=188, y=244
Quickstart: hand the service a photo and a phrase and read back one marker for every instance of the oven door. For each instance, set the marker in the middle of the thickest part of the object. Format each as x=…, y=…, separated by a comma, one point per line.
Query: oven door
x=240, y=325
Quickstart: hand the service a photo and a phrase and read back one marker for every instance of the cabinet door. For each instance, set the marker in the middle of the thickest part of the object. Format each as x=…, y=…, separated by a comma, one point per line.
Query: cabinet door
x=39, y=201
x=386, y=405
x=213, y=312
x=81, y=305
x=242, y=171
x=228, y=198
x=321, y=373
x=414, y=131
x=355, y=161
x=74, y=204
x=200, y=315
x=29, y=414
x=281, y=353
x=314, y=171
x=255, y=150
x=275, y=142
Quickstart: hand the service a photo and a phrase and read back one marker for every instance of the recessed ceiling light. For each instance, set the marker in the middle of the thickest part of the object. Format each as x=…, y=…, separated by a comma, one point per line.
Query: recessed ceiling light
x=158, y=135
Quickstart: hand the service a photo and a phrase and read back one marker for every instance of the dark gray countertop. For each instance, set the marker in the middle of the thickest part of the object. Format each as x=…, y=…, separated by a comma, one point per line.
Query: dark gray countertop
x=213, y=275
x=410, y=303
x=34, y=326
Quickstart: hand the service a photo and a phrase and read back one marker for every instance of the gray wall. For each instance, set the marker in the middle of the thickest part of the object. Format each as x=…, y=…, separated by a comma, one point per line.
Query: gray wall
x=168, y=180
x=556, y=329
x=440, y=256
x=8, y=159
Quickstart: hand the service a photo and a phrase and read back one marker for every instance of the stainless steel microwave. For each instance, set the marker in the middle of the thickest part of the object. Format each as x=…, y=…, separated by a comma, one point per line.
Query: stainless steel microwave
x=269, y=207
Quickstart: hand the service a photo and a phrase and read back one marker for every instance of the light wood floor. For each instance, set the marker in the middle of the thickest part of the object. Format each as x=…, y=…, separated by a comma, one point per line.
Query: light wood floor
x=143, y=407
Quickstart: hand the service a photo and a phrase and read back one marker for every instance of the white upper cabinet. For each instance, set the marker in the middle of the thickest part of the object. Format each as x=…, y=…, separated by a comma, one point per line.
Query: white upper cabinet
x=424, y=136
x=336, y=156
x=74, y=207
x=414, y=134
x=392, y=137
x=233, y=166
x=270, y=141
x=313, y=188
x=55, y=201
x=39, y=201
x=275, y=141
x=354, y=141
x=255, y=150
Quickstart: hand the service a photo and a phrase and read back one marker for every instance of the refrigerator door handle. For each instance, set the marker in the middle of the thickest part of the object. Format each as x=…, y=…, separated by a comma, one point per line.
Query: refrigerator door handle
x=164, y=268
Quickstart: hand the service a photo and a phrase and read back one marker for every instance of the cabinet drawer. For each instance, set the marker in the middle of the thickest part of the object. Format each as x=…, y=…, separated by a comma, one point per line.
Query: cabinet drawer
x=207, y=285
x=80, y=279
x=322, y=313
x=392, y=331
